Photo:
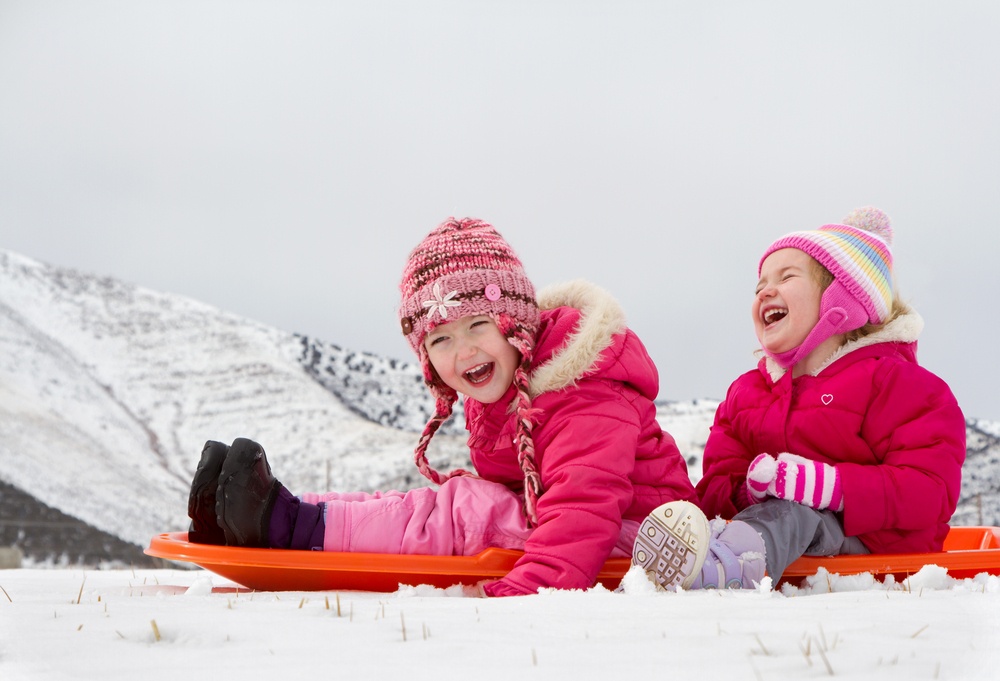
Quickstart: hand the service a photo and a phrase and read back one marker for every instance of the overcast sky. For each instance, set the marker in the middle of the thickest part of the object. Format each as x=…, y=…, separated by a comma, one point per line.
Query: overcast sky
x=280, y=159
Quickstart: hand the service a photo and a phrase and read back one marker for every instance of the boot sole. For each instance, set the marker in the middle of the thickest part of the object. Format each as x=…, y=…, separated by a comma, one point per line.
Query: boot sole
x=672, y=544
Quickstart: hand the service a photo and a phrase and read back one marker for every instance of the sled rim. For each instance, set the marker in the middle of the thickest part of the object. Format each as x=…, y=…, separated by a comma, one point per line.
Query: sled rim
x=967, y=552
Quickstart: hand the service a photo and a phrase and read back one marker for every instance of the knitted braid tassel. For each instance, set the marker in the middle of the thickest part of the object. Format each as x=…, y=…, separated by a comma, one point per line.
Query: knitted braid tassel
x=526, y=415
x=442, y=412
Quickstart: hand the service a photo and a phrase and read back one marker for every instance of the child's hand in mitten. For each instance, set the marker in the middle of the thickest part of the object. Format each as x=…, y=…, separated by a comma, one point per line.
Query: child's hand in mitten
x=797, y=479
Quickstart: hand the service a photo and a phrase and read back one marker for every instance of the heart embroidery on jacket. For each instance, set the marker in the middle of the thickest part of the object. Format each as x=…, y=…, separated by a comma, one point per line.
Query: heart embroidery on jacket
x=827, y=399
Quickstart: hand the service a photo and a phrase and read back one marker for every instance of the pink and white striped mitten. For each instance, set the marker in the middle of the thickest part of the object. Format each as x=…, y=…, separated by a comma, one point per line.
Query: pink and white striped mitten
x=797, y=479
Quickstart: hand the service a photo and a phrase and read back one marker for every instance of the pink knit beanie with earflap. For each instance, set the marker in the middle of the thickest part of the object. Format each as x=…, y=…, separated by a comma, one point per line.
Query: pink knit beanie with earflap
x=857, y=255
x=464, y=267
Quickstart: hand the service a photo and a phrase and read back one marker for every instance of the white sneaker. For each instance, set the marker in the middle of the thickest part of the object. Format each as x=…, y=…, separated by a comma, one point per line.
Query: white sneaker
x=672, y=544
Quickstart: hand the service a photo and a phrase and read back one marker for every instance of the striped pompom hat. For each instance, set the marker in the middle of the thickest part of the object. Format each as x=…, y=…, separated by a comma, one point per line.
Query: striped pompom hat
x=464, y=267
x=857, y=255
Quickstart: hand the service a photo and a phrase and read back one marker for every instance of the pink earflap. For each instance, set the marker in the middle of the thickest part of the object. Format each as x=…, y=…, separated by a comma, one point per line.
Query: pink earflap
x=839, y=312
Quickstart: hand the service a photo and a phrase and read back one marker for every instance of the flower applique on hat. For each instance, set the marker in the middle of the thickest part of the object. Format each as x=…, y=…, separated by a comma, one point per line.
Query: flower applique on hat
x=440, y=303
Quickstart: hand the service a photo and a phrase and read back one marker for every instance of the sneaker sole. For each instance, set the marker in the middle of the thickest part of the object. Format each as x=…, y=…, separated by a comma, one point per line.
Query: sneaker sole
x=672, y=544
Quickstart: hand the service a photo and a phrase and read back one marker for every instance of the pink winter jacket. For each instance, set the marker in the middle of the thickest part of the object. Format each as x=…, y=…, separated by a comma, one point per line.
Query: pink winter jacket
x=600, y=452
x=892, y=429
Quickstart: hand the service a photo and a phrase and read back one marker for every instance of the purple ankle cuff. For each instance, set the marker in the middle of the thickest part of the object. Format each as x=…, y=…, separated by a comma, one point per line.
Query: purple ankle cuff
x=283, y=515
x=309, y=528
x=295, y=524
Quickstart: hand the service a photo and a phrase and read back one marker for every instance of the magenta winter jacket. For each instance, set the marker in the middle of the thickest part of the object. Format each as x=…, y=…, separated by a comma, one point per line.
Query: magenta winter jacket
x=600, y=452
x=893, y=430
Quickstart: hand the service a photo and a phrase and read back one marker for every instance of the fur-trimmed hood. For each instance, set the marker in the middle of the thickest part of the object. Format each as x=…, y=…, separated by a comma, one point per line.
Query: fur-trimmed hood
x=905, y=328
x=601, y=318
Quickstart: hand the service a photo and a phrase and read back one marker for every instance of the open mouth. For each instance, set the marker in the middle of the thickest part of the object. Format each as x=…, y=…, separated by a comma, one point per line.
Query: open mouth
x=479, y=374
x=774, y=314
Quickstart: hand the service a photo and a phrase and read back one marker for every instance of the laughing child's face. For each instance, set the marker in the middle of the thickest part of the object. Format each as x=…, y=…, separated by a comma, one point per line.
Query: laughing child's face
x=473, y=357
x=787, y=301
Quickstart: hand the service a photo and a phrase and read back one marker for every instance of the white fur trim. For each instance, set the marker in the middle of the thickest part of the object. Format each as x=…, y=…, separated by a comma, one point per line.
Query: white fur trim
x=905, y=328
x=601, y=317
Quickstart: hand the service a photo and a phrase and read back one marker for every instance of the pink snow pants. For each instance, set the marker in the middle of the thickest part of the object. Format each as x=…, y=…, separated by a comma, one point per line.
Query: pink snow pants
x=461, y=518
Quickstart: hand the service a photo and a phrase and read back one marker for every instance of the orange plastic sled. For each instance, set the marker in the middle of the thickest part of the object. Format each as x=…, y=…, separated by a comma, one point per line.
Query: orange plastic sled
x=967, y=552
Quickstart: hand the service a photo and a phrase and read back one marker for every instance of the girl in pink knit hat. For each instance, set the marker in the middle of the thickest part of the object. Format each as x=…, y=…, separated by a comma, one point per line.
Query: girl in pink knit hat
x=567, y=452
x=837, y=443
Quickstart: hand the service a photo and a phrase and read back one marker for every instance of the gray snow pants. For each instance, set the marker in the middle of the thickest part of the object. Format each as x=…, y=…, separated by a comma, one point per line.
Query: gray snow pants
x=791, y=530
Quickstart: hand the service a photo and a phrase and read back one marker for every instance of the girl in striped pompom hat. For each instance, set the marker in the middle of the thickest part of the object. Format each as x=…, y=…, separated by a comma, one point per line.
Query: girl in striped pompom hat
x=559, y=402
x=839, y=442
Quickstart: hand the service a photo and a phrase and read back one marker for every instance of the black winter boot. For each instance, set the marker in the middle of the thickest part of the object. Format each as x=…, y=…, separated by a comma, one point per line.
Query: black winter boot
x=201, y=501
x=245, y=498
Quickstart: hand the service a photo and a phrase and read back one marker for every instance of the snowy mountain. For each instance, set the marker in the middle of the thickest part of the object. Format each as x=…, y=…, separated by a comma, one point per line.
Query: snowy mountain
x=108, y=391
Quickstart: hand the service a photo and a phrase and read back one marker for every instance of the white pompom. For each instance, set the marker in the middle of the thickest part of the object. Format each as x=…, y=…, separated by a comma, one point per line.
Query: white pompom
x=871, y=219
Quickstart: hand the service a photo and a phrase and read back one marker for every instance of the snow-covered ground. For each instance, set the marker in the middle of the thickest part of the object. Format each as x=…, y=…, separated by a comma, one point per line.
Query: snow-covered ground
x=120, y=624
